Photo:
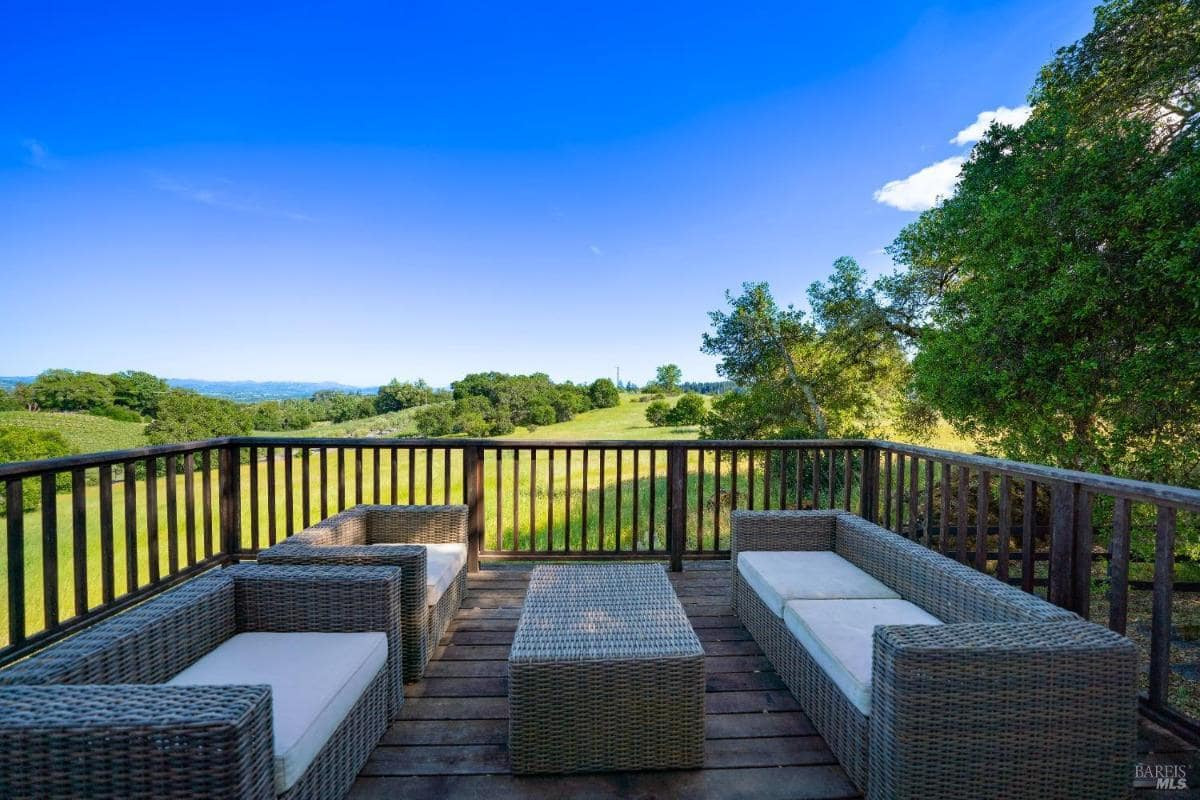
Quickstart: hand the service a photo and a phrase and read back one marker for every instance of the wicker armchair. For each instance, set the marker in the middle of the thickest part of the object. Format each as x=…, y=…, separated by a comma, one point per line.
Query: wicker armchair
x=1007, y=678
x=353, y=536
x=92, y=716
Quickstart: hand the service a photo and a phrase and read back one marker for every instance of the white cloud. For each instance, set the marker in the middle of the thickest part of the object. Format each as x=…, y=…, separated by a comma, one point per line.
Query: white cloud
x=596, y=251
x=225, y=196
x=39, y=155
x=1013, y=117
x=923, y=189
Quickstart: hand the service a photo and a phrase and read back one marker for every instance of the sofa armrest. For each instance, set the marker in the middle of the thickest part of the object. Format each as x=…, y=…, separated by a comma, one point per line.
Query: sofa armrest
x=418, y=524
x=412, y=560
x=270, y=597
x=136, y=741
x=781, y=530
x=1057, y=698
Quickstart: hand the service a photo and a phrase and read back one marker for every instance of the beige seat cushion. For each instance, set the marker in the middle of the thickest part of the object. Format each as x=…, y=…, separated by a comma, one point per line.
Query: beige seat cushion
x=315, y=679
x=839, y=635
x=442, y=563
x=780, y=576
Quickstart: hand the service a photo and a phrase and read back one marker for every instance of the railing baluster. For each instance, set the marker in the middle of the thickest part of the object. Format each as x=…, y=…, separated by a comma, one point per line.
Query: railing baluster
x=289, y=492
x=323, y=469
x=394, y=466
x=1160, y=621
x=341, y=478
x=170, y=479
x=1082, y=557
x=982, y=503
x=584, y=501
x=15, y=543
x=79, y=554
x=900, y=462
x=206, y=506
x=653, y=498
x=153, y=554
x=305, y=479
x=358, y=480
x=1028, y=523
x=189, y=506
x=271, y=493
x=129, y=485
x=964, y=514
x=1003, y=527
x=550, y=502
x=107, y=567
x=676, y=504
x=473, y=480
x=446, y=477
x=50, y=581
x=428, y=476
x=532, y=499
x=1062, y=543
x=1118, y=567
x=887, y=489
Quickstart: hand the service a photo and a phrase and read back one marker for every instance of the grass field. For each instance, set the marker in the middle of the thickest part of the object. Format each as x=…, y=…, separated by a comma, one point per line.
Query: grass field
x=85, y=433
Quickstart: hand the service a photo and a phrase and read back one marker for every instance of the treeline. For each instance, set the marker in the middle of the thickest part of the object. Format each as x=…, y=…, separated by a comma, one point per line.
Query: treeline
x=493, y=404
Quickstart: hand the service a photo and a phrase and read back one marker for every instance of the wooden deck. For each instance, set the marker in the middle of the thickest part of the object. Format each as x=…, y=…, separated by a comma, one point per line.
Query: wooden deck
x=450, y=739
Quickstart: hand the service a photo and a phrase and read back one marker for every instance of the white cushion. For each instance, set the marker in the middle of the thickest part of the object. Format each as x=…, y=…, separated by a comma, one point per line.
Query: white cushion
x=838, y=634
x=315, y=679
x=443, y=561
x=780, y=576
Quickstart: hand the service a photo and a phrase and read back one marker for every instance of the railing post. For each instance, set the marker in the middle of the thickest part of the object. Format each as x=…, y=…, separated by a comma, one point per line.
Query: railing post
x=676, y=505
x=868, y=492
x=473, y=482
x=1063, y=497
x=230, y=485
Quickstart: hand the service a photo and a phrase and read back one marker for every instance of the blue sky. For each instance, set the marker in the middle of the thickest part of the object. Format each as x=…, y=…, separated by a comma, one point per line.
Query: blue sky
x=355, y=192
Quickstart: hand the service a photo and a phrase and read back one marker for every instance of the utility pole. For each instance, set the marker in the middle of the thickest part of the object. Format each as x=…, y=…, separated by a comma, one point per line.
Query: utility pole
x=618, y=377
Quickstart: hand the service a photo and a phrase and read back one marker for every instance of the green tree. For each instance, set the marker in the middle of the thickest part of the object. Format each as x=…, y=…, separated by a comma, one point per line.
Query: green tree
x=9, y=401
x=396, y=396
x=435, y=420
x=667, y=379
x=296, y=415
x=688, y=410
x=139, y=391
x=658, y=413
x=30, y=444
x=603, y=393
x=1055, y=292
x=267, y=416
x=185, y=416
x=68, y=390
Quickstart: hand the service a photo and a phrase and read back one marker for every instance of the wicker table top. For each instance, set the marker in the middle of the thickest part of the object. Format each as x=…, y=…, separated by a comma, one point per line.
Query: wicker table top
x=581, y=612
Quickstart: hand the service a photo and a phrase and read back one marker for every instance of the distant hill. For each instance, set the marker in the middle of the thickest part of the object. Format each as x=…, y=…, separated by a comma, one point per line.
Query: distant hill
x=238, y=391
x=254, y=391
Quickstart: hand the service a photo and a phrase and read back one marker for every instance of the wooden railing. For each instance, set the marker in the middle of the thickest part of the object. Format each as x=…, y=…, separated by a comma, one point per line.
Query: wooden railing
x=98, y=533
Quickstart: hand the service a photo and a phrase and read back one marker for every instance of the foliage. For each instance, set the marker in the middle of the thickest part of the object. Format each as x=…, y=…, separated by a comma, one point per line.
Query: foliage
x=185, y=416
x=689, y=410
x=119, y=413
x=666, y=379
x=9, y=401
x=658, y=413
x=138, y=391
x=31, y=444
x=707, y=387
x=68, y=390
x=799, y=377
x=603, y=393
x=396, y=396
x=84, y=433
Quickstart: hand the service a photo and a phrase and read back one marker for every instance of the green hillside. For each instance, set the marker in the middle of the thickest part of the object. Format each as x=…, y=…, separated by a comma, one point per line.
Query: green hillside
x=85, y=433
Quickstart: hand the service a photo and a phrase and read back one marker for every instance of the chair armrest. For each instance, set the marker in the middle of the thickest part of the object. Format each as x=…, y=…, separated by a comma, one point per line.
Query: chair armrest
x=1057, y=698
x=781, y=530
x=136, y=741
x=418, y=524
x=412, y=559
x=270, y=597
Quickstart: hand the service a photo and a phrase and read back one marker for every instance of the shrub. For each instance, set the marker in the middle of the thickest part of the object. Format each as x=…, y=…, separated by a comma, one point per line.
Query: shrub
x=689, y=410
x=435, y=420
x=30, y=444
x=658, y=413
x=119, y=413
x=603, y=393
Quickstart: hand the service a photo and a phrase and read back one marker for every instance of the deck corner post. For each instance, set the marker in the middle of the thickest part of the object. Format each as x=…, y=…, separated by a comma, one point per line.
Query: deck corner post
x=676, y=504
x=868, y=493
x=473, y=483
x=1064, y=499
x=230, y=485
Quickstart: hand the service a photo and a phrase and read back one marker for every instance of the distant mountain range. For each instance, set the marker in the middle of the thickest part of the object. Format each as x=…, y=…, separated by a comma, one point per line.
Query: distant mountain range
x=238, y=391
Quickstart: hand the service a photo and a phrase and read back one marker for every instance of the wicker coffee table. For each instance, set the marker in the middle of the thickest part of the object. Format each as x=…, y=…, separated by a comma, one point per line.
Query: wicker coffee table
x=605, y=673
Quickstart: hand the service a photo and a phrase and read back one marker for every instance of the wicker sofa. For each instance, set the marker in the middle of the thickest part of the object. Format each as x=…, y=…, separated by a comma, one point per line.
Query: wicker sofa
x=429, y=543
x=250, y=682
x=927, y=678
